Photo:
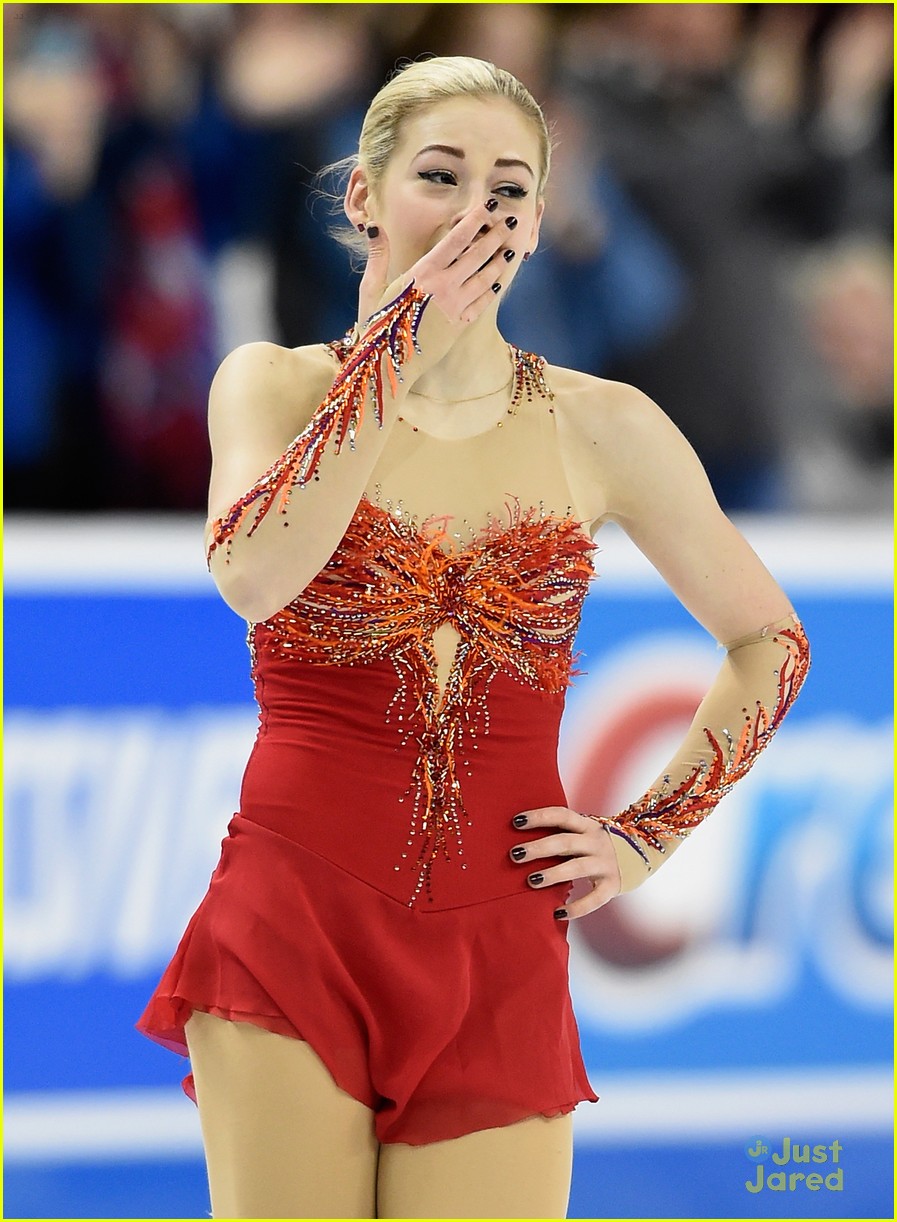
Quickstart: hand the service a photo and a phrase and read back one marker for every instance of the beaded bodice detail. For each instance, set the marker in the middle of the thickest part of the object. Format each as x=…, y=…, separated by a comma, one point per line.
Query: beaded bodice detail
x=516, y=591
x=513, y=594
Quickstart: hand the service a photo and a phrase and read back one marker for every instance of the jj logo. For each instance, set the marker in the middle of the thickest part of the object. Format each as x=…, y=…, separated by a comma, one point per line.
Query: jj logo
x=758, y=1149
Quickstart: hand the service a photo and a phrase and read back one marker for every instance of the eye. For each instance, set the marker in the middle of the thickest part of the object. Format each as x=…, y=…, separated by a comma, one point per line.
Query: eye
x=442, y=178
x=511, y=190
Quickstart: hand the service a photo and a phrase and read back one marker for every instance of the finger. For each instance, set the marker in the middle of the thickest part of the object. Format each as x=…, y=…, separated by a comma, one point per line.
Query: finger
x=488, y=251
x=551, y=816
x=481, y=246
x=500, y=259
x=462, y=235
x=566, y=872
x=473, y=309
x=593, y=868
x=602, y=893
x=567, y=844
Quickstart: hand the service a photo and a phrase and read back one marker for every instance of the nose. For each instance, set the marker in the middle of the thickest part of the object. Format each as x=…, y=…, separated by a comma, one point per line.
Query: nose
x=463, y=201
x=468, y=197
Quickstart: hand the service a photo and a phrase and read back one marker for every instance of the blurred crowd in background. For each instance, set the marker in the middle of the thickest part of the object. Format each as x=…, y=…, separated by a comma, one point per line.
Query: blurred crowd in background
x=718, y=227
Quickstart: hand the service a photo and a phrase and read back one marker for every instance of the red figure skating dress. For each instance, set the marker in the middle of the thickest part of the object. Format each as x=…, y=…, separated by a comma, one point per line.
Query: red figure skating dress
x=410, y=698
x=365, y=900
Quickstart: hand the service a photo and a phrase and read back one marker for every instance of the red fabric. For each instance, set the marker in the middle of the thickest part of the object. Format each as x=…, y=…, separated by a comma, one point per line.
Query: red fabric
x=350, y=805
x=445, y=1017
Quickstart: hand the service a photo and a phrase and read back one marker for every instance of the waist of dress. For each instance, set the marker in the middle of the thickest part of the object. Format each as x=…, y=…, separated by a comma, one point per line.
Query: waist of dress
x=419, y=807
x=377, y=704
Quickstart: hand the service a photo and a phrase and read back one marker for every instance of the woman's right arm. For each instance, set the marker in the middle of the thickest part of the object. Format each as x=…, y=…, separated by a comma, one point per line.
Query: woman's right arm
x=259, y=397
x=278, y=503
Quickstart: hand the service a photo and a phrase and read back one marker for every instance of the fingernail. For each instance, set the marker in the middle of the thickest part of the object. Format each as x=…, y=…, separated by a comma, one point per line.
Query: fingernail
x=560, y=914
x=509, y=255
x=519, y=853
x=491, y=204
x=519, y=820
x=535, y=879
x=526, y=255
x=373, y=231
x=511, y=222
x=496, y=288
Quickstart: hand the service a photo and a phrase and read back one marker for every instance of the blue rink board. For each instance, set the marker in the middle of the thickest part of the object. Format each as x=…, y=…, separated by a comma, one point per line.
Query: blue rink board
x=102, y=655
x=106, y=653
x=119, y=650
x=608, y=1182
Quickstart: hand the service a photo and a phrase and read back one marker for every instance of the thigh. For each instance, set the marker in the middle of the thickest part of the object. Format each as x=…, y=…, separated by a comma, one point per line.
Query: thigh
x=281, y=1139
x=521, y=1170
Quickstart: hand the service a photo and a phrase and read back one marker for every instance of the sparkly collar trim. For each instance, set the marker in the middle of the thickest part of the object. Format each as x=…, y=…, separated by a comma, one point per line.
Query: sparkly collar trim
x=529, y=370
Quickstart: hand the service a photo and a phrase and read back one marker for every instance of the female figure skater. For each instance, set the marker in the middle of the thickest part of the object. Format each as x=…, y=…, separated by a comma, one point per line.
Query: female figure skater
x=373, y=992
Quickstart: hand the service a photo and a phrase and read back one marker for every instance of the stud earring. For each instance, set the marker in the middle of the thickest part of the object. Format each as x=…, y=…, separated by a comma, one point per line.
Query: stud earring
x=526, y=255
x=360, y=227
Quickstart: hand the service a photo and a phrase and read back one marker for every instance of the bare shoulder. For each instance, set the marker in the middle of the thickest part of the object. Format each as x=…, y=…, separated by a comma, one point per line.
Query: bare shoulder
x=271, y=386
x=261, y=398
x=601, y=410
x=268, y=360
x=604, y=427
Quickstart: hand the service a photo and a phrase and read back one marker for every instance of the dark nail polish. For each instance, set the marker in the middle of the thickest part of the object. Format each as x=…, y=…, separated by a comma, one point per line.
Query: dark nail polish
x=535, y=879
x=519, y=820
x=511, y=222
x=526, y=255
x=491, y=204
x=509, y=255
x=373, y=231
x=560, y=914
x=519, y=853
x=496, y=288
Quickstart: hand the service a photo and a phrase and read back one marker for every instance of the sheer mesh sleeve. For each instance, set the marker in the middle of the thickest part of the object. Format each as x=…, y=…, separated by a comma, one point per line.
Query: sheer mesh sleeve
x=756, y=685
x=387, y=342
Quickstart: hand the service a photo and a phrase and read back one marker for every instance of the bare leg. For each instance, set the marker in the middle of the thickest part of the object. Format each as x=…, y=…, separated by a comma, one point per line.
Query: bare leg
x=522, y=1170
x=281, y=1139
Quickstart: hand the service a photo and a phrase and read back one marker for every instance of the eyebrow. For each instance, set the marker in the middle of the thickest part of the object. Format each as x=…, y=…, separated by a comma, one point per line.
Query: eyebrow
x=502, y=163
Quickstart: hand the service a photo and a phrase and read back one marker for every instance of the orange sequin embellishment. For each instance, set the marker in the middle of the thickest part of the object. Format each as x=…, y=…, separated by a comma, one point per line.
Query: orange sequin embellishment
x=514, y=595
x=391, y=333
x=665, y=813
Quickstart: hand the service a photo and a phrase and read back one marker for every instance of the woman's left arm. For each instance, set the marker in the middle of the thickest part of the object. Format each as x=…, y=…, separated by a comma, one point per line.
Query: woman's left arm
x=658, y=492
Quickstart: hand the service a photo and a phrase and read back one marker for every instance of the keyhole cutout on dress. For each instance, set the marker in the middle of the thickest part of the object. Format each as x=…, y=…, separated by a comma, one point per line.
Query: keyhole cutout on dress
x=445, y=645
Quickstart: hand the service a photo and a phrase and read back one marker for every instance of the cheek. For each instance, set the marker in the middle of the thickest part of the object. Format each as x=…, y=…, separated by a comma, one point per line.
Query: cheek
x=418, y=225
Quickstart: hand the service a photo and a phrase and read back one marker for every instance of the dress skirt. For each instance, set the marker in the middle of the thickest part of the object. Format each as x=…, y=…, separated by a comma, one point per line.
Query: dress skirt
x=444, y=1017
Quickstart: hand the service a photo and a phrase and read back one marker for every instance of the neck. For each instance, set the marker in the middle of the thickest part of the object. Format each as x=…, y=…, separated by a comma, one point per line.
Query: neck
x=476, y=364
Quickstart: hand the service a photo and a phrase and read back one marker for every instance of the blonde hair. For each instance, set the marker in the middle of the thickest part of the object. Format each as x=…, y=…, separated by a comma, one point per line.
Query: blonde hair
x=413, y=87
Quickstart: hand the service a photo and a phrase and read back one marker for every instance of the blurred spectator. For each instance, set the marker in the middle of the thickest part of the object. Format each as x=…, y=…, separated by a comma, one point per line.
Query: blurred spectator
x=54, y=107
x=842, y=436
x=603, y=283
x=675, y=99
x=99, y=130
x=299, y=77
x=161, y=209
x=157, y=357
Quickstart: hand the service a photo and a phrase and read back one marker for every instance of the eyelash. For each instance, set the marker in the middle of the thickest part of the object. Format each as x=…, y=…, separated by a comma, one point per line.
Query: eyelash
x=510, y=190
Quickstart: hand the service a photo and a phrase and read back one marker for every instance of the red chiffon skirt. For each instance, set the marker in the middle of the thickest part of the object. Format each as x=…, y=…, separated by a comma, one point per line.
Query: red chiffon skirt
x=445, y=1017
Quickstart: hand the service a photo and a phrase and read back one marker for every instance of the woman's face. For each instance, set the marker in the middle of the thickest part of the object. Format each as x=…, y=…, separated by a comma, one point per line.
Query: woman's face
x=450, y=157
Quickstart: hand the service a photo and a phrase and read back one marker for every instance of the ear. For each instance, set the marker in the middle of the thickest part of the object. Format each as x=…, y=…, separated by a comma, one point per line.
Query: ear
x=537, y=225
x=356, y=204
